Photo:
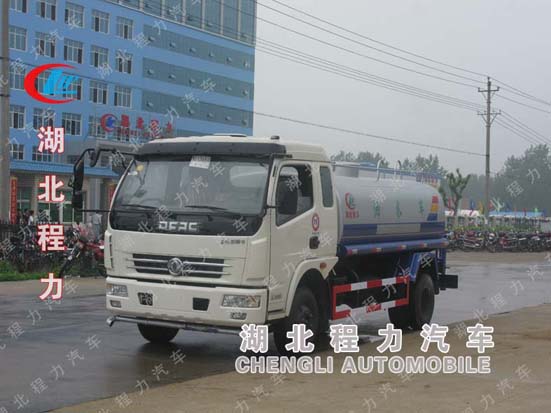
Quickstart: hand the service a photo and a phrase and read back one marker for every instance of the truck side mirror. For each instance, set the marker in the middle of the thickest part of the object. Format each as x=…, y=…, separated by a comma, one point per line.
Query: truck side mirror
x=286, y=198
x=76, y=184
x=77, y=200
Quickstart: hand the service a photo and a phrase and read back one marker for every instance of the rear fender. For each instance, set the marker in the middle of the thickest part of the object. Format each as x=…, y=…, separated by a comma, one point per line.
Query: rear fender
x=425, y=262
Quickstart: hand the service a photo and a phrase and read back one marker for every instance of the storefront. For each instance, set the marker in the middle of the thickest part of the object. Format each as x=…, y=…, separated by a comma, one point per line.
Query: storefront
x=98, y=189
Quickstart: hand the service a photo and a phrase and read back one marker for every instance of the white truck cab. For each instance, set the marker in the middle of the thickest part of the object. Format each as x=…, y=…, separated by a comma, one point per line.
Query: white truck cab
x=210, y=233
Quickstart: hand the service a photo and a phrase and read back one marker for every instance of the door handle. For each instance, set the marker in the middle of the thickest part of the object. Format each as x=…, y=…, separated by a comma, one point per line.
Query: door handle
x=314, y=242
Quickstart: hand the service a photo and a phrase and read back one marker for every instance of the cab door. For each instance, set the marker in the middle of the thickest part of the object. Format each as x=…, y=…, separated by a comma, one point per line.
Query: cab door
x=294, y=224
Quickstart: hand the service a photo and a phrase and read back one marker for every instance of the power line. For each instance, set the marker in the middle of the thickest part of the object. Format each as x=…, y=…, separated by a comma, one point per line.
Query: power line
x=379, y=42
x=349, y=72
x=297, y=56
x=520, y=134
x=526, y=128
x=506, y=86
x=341, y=48
x=366, y=45
x=519, y=92
x=525, y=105
x=370, y=135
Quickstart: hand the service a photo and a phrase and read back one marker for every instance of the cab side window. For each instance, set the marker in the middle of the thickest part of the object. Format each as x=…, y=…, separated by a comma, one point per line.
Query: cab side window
x=326, y=187
x=294, y=192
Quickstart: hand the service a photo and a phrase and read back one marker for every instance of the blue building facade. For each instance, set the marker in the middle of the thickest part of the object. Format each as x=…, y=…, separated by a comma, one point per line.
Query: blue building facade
x=145, y=68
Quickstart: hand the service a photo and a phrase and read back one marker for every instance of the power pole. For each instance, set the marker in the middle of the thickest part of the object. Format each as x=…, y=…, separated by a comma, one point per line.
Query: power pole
x=489, y=117
x=4, y=112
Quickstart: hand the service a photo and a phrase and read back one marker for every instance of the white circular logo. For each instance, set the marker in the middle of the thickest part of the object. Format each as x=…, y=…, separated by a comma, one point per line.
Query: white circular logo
x=175, y=266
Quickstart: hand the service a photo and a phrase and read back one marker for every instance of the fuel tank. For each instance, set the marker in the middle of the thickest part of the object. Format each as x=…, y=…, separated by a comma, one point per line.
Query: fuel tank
x=375, y=210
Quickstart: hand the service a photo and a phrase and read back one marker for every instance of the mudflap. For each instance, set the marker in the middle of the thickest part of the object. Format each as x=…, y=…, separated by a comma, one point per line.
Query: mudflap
x=448, y=281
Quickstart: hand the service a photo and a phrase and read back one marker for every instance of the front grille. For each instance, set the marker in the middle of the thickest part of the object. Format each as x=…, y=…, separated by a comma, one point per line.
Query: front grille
x=192, y=266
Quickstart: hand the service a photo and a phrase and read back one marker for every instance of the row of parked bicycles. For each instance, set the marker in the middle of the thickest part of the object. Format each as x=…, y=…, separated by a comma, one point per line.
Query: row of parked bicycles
x=499, y=241
x=83, y=254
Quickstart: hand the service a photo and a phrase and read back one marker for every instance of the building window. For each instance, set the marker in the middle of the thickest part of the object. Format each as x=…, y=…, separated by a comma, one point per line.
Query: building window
x=74, y=15
x=46, y=9
x=123, y=96
x=99, y=56
x=17, y=77
x=194, y=12
x=18, y=38
x=124, y=27
x=43, y=117
x=123, y=62
x=173, y=10
x=74, y=91
x=98, y=92
x=213, y=10
x=17, y=116
x=44, y=45
x=71, y=122
x=94, y=127
x=41, y=156
x=100, y=21
x=247, y=21
x=41, y=81
x=17, y=151
x=152, y=6
x=72, y=51
x=231, y=13
x=19, y=5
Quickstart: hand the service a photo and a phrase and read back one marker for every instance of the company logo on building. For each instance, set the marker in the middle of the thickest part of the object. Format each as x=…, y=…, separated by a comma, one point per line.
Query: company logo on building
x=57, y=84
x=108, y=122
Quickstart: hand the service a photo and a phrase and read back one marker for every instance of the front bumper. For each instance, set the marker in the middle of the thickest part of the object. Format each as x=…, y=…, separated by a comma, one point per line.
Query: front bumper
x=176, y=304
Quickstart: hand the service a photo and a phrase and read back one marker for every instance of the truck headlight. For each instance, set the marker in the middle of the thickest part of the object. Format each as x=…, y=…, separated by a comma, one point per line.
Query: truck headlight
x=117, y=290
x=241, y=301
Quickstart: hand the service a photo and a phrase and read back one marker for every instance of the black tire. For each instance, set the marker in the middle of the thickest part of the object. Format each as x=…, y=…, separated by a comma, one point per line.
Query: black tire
x=422, y=301
x=156, y=334
x=400, y=317
x=65, y=267
x=101, y=271
x=304, y=310
x=420, y=308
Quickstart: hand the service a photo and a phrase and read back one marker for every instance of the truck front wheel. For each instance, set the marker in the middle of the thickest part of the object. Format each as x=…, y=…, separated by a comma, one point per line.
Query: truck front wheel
x=304, y=310
x=156, y=334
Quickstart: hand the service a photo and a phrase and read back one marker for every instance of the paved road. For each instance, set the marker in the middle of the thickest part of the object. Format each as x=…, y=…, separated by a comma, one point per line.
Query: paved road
x=58, y=361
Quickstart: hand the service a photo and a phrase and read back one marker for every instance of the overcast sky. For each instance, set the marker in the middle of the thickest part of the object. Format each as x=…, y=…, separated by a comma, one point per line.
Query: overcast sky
x=509, y=39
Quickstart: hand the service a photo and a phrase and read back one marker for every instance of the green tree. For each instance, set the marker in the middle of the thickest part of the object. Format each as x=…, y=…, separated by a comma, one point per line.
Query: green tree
x=430, y=164
x=452, y=190
x=364, y=156
x=523, y=183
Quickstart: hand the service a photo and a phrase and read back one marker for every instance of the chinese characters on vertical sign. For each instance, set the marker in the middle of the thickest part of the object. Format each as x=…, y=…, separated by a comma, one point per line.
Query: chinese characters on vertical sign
x=51, y=236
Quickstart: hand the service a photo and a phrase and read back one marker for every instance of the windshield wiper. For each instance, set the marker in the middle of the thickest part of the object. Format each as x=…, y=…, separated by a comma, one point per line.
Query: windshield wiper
x=137, y=206
x=214, y=208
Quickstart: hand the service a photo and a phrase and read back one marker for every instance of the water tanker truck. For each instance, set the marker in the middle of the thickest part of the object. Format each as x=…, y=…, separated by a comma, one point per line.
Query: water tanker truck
x=210, y=233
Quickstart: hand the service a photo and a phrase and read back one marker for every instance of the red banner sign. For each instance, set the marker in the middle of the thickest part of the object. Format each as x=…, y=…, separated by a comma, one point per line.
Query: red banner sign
x=13, y=199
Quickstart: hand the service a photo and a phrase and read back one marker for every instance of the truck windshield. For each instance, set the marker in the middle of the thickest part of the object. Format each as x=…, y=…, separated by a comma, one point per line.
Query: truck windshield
x=196, y=183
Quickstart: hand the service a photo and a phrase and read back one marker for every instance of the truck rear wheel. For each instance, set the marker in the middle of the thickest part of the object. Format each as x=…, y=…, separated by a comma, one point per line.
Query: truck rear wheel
x=422, y=301
x=304, y=310
x=156, y=334
x=420, y=308
x=400, y=317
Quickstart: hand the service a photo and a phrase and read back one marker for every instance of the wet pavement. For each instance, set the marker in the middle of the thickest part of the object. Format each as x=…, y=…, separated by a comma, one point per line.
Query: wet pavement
x=70, y=355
